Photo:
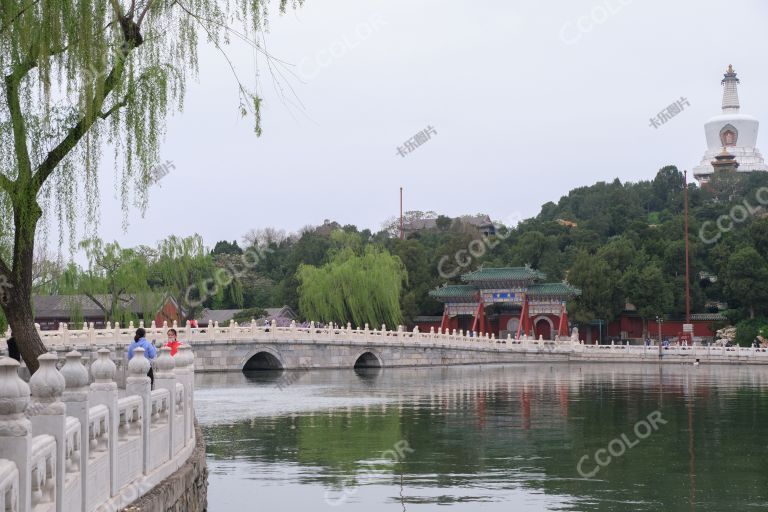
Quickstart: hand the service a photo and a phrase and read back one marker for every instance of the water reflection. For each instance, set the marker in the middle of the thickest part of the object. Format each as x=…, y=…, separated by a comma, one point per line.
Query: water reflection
x=500, y=437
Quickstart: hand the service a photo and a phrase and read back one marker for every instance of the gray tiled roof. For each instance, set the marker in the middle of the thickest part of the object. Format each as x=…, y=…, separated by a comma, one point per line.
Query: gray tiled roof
x=62, y=306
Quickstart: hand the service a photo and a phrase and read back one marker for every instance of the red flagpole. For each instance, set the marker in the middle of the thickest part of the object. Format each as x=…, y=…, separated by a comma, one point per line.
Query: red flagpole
x=687, y=276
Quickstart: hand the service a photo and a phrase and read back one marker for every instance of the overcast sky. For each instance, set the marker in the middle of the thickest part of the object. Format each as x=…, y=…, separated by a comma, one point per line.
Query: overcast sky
x=528, y=100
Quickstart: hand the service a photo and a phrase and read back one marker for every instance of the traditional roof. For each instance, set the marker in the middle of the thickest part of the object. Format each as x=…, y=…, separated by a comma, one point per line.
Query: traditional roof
x=223, y=316
x=283, y=312
x=553, y=290
x=503, y=274
x=454, y=291
x=62, y=306
x=708, y=316
x=216, y=315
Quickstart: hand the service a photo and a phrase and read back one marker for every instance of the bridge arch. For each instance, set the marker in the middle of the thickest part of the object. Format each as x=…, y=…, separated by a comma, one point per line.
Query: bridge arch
x=263, y=358
x=368, y=359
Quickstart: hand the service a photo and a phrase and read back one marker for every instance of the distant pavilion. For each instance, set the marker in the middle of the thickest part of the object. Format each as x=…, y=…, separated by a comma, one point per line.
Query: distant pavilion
x=510, y=300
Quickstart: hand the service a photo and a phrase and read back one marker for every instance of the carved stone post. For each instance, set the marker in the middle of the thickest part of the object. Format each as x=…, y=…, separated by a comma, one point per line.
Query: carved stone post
x=76, y=400
x=15, y=428
x=46, y=412
x=165, y=378
x=104, y=392
x=138, y=383
x=184, y=360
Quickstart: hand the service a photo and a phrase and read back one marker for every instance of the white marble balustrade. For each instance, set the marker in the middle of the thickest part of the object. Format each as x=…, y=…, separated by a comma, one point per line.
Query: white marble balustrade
x=74, y=442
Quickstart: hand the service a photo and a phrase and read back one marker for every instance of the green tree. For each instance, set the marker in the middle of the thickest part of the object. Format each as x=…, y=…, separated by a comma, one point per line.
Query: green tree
x=745, y=278
x=185, y=271
x=353, y=288
x=601, y=296
x=77, y=75
x=648, y=290
x=117, y=273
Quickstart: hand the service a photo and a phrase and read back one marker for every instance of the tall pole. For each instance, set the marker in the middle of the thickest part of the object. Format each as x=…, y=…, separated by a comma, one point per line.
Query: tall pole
x=687, y=270
x=401, y=213
x=661, y=350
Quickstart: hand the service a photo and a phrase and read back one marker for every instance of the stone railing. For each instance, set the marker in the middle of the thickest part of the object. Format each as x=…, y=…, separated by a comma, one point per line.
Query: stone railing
x=74, y=442
x=120, y=337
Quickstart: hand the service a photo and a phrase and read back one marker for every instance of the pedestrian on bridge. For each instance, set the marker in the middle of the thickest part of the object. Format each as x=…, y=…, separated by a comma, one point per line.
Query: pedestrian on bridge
x=140, y=341
x=173, y=343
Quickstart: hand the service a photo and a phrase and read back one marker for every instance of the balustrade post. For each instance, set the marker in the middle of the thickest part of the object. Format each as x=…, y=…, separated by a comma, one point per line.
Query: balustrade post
x=138, y=383
x=46, y=412
x=184, y=362
x=104, y=392
x=15, y=428
x=75, y=398
x=165, y=378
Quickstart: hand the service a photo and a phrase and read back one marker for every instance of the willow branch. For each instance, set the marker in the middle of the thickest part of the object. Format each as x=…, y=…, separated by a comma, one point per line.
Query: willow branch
x=12, y=83
x=18, y=15
x=78, y=131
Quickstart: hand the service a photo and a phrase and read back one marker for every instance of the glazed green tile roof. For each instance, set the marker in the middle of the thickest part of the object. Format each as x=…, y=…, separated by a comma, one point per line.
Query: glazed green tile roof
x=556, y=289
x=452, y=291
x=503, y=274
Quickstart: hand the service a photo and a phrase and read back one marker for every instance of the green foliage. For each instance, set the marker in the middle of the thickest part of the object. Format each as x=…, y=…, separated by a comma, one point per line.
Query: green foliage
x=354, y=288
x=116, y=272
x=249, y=314
x=747, y=330
x=746, y=275
x=184, y=270
x=224, y=247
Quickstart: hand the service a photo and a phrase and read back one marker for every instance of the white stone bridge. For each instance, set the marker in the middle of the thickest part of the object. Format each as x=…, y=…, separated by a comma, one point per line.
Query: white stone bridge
x=257, y=347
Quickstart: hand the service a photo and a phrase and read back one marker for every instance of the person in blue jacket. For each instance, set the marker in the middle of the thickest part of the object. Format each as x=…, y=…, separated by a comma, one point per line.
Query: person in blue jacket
x=150, y=352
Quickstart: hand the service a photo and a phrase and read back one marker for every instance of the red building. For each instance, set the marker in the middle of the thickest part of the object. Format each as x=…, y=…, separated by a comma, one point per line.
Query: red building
x=502, y=301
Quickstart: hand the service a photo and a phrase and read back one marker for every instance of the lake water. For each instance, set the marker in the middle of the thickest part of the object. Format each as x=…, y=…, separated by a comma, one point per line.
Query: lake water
x=498, y=438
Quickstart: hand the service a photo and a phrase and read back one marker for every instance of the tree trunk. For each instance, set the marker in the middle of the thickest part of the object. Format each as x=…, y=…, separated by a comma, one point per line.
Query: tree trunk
x=18, y=298
x=22, y=322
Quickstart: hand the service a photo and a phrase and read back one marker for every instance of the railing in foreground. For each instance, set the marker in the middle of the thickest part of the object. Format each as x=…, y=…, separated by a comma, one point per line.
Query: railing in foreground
x=68, y=446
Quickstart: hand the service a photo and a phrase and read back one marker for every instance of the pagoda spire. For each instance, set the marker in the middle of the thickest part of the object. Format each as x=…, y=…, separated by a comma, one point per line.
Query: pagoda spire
x=730, y=91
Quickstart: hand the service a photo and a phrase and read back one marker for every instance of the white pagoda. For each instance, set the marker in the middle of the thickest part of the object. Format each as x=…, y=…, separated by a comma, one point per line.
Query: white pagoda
x=731, y=132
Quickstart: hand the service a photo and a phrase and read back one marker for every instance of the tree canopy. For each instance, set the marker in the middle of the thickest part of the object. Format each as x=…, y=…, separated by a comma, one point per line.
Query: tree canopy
x=77, y=76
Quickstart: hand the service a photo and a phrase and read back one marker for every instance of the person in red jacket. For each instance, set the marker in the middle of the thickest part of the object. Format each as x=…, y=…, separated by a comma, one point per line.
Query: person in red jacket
x=172, y=342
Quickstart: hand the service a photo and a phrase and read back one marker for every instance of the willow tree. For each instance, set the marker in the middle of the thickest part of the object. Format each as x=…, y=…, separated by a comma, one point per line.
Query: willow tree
x=353, y=288
x=79, y=74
